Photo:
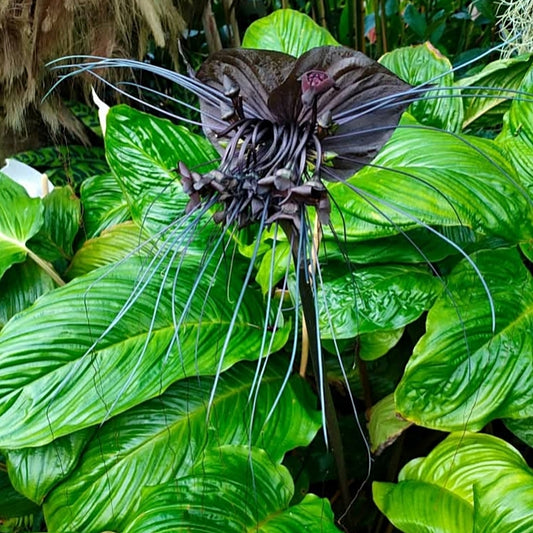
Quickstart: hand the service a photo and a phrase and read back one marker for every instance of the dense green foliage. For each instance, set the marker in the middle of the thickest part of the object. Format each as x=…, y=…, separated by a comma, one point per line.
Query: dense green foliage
x=151, y=386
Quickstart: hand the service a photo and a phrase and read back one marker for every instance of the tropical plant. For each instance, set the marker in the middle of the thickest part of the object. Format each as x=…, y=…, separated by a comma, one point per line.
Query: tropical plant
x=156, y=382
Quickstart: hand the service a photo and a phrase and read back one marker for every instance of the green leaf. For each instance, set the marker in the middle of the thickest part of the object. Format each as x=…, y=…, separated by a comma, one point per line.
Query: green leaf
x=469, y=482
x=20, y=286
x=522, y=428
x=516, y=137
x=21, y=217
x=114, y=244
x=376, y=298
x=421, y=64
x=62, y=217
x=143, y=152
x=104, y=204
x=239, y=498
x=118, y=336
x=461, y=375
x=419, y=507
x=160, y=439
x=34, y=471
x=12, y=503
x=286, y=31
x=378, y=343
x=427, y=185
x=274, y=266
x=384, y=425
x=415, y=20
x=498, y=79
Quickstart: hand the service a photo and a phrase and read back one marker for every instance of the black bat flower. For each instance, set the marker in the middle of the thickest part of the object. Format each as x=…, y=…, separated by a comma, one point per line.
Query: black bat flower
x=282, y=125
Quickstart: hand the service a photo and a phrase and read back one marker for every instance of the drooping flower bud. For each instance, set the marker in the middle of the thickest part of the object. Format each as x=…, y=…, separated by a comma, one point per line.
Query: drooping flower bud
x=315, y=82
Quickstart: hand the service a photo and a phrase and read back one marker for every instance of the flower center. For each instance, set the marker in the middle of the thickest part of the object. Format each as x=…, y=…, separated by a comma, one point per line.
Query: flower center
x=267, y=168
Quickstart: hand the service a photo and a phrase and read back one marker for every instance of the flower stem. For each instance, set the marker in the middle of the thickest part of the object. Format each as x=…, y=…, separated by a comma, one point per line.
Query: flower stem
x=310, y=317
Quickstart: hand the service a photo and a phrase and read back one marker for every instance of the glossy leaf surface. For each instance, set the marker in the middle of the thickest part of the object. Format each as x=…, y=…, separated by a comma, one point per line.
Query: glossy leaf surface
x=162, y=438
x=20, y=286
x=424, y=64
x=469, y=482
x=258, y=498
x=286, y=31
x=461, y=375
x=119, y=326
x=143, y=152
x=408, y=186
x=20, y=219
x=494, y=85
x=104, y=204
x=373, y=299
x=34, y=471
x=61, y=222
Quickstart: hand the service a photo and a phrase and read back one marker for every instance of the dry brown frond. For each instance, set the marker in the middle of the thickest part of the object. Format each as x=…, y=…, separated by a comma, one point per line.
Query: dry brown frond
x=33, y=32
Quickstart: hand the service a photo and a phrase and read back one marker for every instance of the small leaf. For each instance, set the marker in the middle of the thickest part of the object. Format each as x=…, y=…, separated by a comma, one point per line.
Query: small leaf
x=415, y=20
x=34, y=471
x=378, y=343
x=62, y=217
x=12, y=503
x=104, y=204
x=21, y=217
x=20, y=286
x=239, y=498
x=288, y=31
x=384, y=425
x=114, y=244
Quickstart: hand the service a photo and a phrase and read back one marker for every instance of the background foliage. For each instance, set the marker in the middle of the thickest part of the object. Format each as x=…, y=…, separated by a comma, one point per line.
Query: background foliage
x=111, y=421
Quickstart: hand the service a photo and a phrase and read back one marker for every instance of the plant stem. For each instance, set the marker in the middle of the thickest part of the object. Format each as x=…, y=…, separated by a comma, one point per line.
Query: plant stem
x=307, y=299
x=46, y=266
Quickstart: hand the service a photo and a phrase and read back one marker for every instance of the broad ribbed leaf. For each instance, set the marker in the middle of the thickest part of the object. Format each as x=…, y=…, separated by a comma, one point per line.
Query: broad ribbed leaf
x=162, y=438
x=143, y=152
x=20, y=286
x=498, y=79
x=286, y=31
x=447, y=182
x=479, y=479
x=421, y=64
x=20, y=219
x=372, y=299
x=109, y=340
x=103, y=203
x=111, y=246
x=516, y=137
x=62, y=218
x=419, y=507
x=226, y=494
x=34, y=471
x=461, y=375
